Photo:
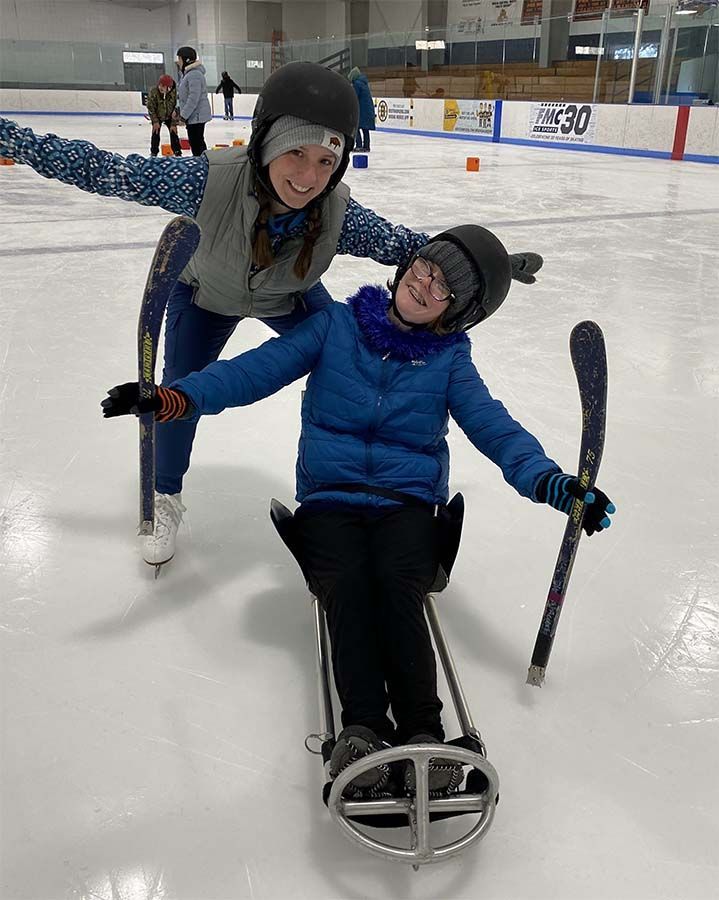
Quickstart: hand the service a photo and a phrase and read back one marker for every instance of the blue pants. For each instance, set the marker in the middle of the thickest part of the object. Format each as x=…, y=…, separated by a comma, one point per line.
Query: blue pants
x=362, y=139
x=228, y=107
x=194, y=338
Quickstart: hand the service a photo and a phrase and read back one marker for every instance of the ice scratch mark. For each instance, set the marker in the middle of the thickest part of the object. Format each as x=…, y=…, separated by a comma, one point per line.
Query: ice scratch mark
x=249, y=881
x=72, y=460
x=676, y=639
x=196, y=674
x=127, y=611
x=230, y=743
x=708, y=721
x=210, y=756
x=637, y=766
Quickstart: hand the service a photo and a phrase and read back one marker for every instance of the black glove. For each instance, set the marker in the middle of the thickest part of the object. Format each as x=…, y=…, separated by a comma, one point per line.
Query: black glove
x=560, y=491
x=524, y=265
x=125, y=400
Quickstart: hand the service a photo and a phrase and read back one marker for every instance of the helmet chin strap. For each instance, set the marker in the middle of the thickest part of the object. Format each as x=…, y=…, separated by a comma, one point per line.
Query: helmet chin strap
x=399, y=315
x=395, y=309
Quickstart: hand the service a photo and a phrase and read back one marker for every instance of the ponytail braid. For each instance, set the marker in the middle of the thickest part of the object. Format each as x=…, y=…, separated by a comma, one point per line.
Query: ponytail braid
x=314, y=226
x=262, y=255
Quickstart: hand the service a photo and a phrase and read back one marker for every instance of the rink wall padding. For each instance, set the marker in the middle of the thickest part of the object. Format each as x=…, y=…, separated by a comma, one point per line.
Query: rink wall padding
x=663, y=132
x=702, y=139
x=102, y=103
x=627, y=130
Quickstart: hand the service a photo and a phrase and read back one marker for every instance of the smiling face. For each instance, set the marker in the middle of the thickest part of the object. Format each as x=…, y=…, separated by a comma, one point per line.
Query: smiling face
x=414, y=301
x=301, y=174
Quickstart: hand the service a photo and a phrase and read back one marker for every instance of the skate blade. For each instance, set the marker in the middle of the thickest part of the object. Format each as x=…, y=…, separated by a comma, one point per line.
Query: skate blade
x=158, y=566
x=535, y=676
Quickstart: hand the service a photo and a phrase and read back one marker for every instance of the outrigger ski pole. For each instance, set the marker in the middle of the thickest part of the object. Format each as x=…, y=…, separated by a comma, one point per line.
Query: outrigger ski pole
x=589, y=358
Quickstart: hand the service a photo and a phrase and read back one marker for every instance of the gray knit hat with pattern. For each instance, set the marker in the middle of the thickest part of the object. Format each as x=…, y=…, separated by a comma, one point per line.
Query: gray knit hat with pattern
x=289, y=132
x=457, y=269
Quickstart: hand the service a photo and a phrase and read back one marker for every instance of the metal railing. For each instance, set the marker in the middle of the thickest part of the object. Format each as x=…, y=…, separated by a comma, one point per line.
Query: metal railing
x=339, y=61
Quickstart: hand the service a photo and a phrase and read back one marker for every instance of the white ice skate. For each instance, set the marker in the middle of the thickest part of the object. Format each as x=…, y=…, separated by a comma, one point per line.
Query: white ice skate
x=159, y=547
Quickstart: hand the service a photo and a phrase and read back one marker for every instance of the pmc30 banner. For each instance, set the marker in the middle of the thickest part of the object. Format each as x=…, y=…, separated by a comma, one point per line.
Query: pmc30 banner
x=574, y=123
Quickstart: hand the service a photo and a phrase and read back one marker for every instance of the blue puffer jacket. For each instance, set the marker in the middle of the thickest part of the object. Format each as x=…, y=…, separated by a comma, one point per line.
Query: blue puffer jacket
x=377, y=404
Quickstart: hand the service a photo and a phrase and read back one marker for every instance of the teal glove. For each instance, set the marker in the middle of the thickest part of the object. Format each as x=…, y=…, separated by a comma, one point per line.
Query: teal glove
x=560, y=491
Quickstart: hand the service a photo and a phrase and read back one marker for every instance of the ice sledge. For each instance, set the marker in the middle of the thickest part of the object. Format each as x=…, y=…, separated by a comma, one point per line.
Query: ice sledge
x=480, y=794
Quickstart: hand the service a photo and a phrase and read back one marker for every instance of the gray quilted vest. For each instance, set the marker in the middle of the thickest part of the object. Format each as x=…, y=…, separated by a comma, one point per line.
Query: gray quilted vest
x=220, y=268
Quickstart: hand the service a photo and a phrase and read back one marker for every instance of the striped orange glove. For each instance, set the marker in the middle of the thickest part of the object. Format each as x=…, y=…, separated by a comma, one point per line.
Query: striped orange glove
x=167, y=403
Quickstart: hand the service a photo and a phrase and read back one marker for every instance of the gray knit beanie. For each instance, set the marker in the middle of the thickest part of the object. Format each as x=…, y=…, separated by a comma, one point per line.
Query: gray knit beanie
x=457, y=269
x=289, y=132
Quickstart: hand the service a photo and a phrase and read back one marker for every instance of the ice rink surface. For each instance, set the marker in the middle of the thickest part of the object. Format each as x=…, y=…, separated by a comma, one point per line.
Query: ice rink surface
x=152, y=739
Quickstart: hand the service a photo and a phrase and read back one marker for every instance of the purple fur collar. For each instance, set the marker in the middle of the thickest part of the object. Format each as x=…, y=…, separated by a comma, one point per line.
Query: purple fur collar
x=370, y=305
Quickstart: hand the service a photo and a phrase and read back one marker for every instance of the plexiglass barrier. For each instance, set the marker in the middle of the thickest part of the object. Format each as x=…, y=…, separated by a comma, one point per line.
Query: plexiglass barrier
x=588, y=55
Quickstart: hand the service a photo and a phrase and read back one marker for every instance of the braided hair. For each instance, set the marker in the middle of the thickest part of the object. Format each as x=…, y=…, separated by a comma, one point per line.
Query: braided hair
x=314, y=226
x=262, y=255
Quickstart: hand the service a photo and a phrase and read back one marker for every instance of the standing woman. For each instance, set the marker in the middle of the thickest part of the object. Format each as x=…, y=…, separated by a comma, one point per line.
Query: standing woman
x=273, y=216
x=366, y=109
x=195, y=109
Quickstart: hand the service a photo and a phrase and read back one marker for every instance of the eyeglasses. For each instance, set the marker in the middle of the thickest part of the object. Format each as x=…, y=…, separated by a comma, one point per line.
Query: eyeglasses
x=438, y=288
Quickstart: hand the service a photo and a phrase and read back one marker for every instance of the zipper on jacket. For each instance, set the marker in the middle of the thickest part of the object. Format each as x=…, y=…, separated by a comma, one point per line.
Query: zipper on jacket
x=375, y=415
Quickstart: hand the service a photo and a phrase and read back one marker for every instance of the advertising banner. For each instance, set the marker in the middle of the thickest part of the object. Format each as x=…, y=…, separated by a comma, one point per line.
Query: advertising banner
x=531, y=9
x=484, y=17
x=502, y=12
x=573, y=123
x=593, y=9
x=469, y=116
x=394, y=113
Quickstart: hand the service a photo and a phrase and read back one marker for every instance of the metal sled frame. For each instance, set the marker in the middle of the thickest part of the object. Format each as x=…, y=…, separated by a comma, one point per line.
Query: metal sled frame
x=481, y=794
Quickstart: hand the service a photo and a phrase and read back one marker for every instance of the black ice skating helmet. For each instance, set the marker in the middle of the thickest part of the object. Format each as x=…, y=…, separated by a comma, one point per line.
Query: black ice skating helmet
x=308, y=91
x=476, y=266
x=188, y=55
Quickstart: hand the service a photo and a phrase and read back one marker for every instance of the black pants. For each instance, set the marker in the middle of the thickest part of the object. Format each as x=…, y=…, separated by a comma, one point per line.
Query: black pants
x=362, y=139
x=174, y=139
x=196, y=137
x=371, y=571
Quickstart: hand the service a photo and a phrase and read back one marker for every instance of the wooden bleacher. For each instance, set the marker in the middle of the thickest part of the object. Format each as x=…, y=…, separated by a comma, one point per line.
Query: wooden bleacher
x=569, y=80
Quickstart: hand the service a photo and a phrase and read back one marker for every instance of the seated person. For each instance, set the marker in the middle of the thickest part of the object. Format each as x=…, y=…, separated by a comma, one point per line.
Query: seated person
x=386, y=369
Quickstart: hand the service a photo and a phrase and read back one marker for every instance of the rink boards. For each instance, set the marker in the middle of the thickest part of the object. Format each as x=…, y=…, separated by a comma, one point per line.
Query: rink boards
x=690, y=133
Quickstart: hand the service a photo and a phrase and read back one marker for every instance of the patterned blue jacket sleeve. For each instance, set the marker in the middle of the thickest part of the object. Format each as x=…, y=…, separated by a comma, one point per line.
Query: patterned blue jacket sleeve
x=364, y=233
x=174, y=184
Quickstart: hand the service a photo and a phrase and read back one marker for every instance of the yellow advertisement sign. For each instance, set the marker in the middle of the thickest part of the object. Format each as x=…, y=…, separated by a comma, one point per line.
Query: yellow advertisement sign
x=469, y=116
x=451, y=114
